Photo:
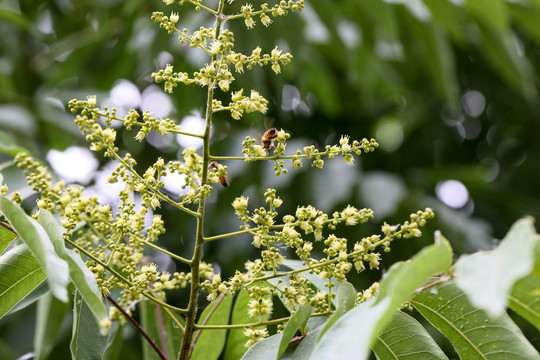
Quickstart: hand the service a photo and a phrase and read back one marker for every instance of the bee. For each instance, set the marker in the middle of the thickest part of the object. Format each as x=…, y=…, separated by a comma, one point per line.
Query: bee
x=267, y=140
x=223, y=179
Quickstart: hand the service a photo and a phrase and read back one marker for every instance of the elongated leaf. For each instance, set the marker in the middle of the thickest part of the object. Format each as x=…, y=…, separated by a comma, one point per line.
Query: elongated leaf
x=298, y=320
x=6, y=236
x=50, y=315
x=346, y=299
x=39, y=243
x=82, y=277
x=114, y=342
x=21, y=274
x=234, y=349
x=160, y=328
x=352, y=335
x=87, y=342
x=487, y=277
x=210, y=343
x=525, y=299
x=472, y=332
x=265, y=349
x=405, y=338
x=7, y=146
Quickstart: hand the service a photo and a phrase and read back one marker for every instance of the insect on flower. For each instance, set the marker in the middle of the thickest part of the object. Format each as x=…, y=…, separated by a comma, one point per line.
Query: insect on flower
x=223, y=179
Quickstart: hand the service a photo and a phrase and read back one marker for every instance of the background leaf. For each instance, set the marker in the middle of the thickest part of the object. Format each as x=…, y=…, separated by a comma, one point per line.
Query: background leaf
x=472, y=332
x=160, y=328
x=21, y=274
x=405, y=338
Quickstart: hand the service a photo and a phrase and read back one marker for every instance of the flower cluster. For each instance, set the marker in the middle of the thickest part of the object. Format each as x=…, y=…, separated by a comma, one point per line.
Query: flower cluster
x=281, y=9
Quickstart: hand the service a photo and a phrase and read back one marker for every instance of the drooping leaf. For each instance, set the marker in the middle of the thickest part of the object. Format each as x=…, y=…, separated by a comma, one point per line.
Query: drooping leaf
x=346, y=299
x=82, y=277
x=160, y=328
x=471, y=331
x=487, y=277
x=39, y=243
x=87, y=342
x=352, y=335
x=525, y=299
x=21, y=274
x=50, y=315
x=298, y=320
x=266, y=349
x=6, y=236
x=234, y=349
x=404, y=338
x=210, y=343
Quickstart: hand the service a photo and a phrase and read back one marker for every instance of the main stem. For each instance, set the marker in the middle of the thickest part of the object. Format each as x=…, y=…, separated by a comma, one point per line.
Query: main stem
x=185, y=350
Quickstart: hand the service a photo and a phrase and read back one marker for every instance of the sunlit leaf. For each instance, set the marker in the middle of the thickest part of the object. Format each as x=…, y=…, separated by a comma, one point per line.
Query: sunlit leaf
x=39, y=243
x=471, y=331
x=210, y=343
x=21, y=274
x=6, y=236
x=487, y=277
x=405, y=338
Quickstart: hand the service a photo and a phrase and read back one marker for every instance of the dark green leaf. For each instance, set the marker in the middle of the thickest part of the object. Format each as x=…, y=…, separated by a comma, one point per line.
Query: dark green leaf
x=298, y=320
x=405, y=338
x=50, y=316
x=114, y=342
x=210, y=343
x=21, y=274
x=472, y=332
x=87, y=342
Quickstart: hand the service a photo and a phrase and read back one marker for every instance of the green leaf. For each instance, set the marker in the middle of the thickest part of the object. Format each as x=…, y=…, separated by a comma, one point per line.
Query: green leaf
x=114, y=342
x=298, y=320
x=82, y=277
x=352, y=335
x=234, y=349
x=39, y=243
x=306, y=346
x=265, y=349
x=490, y=12
x=525, y=299
x=21, y=274
x=405, y=338
x=160, y=328
x=487, y=277
x=50, y=316
x=472, y=332
x=6, y=236
x=87, y=343
x=346, y=299
x=210, y=343
x=7, y=146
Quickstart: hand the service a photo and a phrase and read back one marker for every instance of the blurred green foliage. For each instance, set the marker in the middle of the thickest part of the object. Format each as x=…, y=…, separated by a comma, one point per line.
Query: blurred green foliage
x=449, y=88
